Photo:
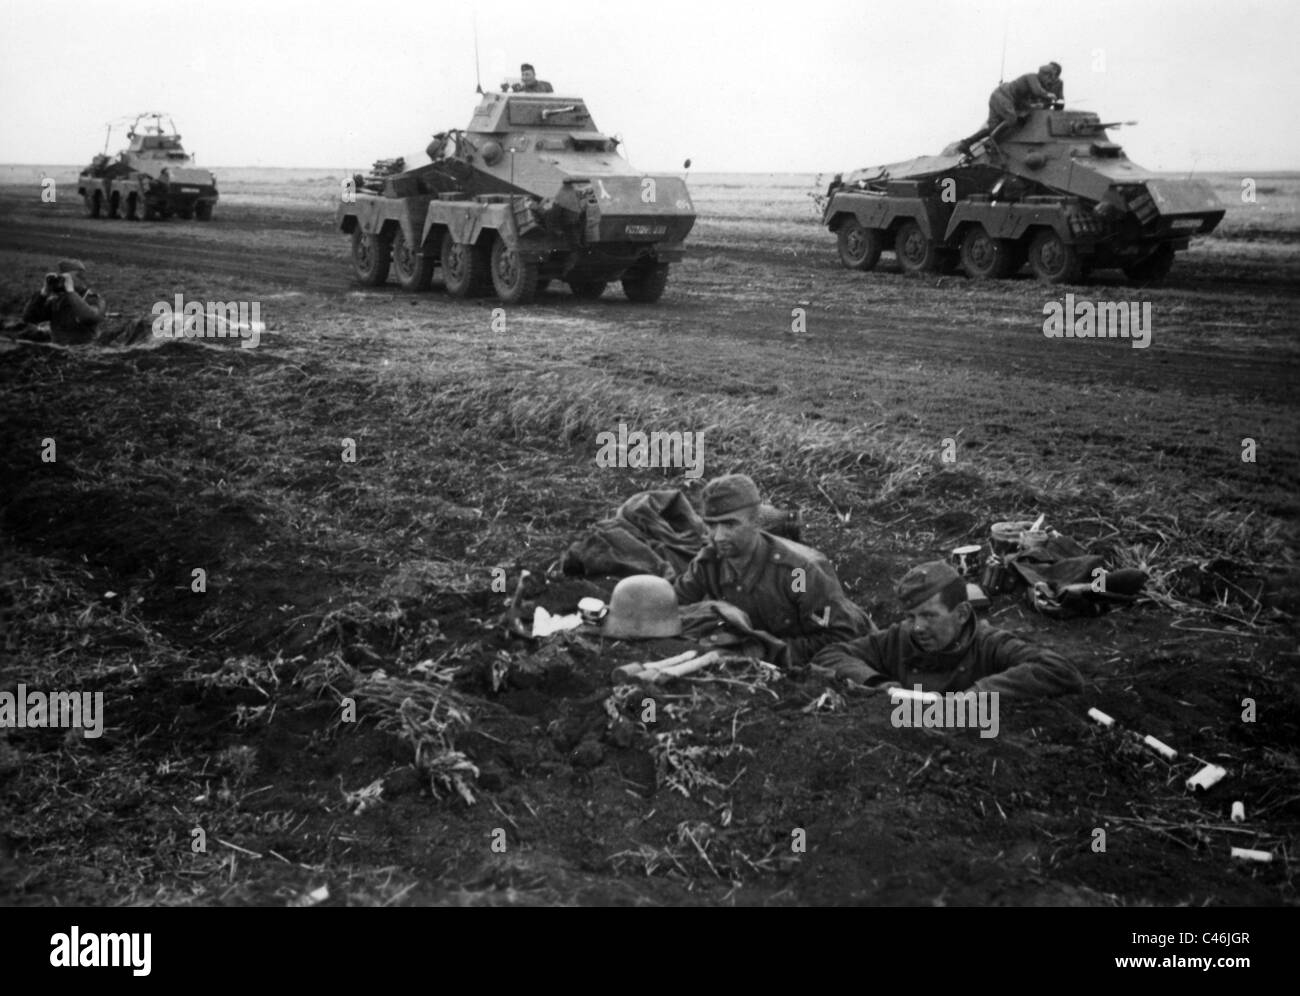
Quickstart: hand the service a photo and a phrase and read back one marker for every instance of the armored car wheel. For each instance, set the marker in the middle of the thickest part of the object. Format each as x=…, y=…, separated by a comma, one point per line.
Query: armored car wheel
x=464, y=270
x=185, y=214
x=93, y=202
x=414, y=271
x=371, y=255
x=146, y=211
x=114, y=205
x=203, y=210
x=916, y=252
x=1053, y=260
x=588, y=290
x=514, y=276
x=984, y=257
x=859, y=247
x=133, y=204
x=646, y=284
x=1154, y=268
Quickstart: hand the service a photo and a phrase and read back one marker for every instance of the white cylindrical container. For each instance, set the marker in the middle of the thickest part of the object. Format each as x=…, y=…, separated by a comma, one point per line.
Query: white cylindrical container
x=968, y=561
x=1238, y=812
x=1210, y=775
x=1247, y=854
x=1101, y=717
x=1163, y=749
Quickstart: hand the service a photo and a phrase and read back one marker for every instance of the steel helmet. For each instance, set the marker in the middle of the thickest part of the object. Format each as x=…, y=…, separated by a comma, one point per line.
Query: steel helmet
x=643, y=607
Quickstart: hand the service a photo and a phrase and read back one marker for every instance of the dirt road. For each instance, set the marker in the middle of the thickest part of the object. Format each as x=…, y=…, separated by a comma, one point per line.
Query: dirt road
x=1222, y=326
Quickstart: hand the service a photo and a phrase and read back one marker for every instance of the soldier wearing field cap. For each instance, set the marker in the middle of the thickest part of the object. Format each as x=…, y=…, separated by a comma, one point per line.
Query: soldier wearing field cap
x=942, y=647
x=786, y=589
x=531, y=84
x=72, y=309
x=1010, y=102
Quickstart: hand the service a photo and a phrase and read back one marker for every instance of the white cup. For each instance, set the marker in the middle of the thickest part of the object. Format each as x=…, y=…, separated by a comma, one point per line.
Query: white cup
x=592, y=610
x=967, y=560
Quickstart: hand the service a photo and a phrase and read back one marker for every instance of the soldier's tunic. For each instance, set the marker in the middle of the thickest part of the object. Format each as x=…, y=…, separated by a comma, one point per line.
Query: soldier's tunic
x=537, y=86
x=73, y=319
x=982, y=659
x=807, y=610
x=1012, y=99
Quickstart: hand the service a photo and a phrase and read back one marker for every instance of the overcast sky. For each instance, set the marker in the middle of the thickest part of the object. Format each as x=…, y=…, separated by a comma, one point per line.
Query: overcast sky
x=768, y=85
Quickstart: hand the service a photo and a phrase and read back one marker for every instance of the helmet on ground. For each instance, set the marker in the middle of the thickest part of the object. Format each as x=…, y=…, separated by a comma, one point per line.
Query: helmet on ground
x=642, y=607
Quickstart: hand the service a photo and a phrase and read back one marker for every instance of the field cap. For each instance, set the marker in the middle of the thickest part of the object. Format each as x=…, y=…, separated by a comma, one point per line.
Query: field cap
x=71, y=266
x=727, y=494
x=527, y=65
x=924, y=582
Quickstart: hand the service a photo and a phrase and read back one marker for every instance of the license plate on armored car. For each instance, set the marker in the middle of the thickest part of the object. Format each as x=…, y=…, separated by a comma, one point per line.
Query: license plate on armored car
x=645, y=231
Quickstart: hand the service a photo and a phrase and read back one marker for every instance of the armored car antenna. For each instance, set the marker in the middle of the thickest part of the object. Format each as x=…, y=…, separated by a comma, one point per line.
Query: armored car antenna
x=478, y=78
x=1002, y=69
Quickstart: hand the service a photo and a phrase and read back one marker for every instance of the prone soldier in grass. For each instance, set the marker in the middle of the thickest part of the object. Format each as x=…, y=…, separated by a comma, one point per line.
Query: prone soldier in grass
x=73, y=310
x=942, y=647
x=786, y=589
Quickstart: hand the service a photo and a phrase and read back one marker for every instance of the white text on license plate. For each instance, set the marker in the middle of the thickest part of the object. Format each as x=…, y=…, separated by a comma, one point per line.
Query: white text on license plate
x=646, y=229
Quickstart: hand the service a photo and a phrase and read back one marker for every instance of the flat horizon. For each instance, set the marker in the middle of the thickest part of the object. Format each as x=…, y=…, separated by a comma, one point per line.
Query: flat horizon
x=1241, y=171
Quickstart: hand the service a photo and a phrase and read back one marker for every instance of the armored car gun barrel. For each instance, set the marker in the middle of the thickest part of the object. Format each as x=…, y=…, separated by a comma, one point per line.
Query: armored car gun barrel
x=1055, y=192
x=528, y=193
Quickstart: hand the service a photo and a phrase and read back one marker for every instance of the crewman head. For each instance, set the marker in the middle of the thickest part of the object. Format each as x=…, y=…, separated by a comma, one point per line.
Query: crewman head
x=77, y=269
x=731, y=513
x=933, y=596
x=528, y=73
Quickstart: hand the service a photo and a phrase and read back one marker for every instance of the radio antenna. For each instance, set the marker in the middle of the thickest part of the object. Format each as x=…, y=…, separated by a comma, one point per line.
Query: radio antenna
x=1002, y=70
x=478, y=79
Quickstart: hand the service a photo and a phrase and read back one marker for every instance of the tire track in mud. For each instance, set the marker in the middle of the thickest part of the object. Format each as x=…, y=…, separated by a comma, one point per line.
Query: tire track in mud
x=966, y=331
x=970, y=335
x=155, y=249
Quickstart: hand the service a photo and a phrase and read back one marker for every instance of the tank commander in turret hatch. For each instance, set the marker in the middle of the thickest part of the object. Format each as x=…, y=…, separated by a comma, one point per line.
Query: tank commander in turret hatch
x=530, y=83
x=1011, y=101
